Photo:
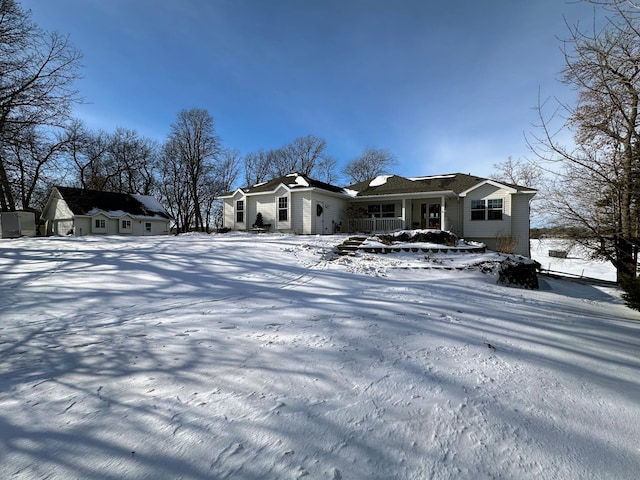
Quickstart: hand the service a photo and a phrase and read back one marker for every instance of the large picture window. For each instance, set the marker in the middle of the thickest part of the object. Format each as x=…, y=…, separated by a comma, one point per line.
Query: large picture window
x=283, y=209
x=240, y=211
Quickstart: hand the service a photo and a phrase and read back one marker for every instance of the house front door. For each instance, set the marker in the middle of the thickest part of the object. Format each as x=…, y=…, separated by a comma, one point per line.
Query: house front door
x=319, y=218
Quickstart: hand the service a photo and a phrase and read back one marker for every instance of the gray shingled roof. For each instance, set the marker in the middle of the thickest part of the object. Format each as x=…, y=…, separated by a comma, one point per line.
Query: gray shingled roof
x=82, y=201
x=455, y=182
x=290, y=181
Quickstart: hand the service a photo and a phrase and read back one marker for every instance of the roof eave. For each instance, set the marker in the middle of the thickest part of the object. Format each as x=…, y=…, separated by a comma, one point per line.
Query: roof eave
x=442, y=193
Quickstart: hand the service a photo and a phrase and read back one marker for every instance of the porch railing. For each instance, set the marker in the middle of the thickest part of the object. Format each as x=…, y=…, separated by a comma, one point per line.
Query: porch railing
x=376, y=224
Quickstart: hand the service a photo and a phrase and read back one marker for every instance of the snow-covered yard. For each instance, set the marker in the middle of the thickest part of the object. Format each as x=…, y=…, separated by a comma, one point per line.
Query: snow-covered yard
x=266, y=357
x=576, y=263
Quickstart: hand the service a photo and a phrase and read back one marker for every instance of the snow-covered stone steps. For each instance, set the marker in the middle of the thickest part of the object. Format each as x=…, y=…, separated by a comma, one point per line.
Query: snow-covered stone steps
x=443, y=249
x=350, y=245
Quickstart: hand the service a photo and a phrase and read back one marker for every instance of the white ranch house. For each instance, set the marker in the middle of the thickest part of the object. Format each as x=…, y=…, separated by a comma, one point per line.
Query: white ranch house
x=90, y=212
x=473, y=208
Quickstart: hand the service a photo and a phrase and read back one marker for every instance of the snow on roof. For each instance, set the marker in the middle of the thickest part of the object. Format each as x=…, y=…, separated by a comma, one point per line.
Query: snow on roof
x=379, y=180
x=300, y=180
x=108, y=213
x=351, y=193
x=149, y=202
x=430, y=177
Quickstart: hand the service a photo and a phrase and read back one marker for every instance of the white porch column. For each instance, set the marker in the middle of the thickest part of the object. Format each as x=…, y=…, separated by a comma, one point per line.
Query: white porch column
x=443, y=210
x=404, y=213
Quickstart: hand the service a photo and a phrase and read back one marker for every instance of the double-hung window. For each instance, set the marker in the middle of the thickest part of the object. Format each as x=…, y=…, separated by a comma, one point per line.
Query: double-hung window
x=477, y=210
x=494, y=209
x=240, y=211
x=283, y=209
x=126, y=224
x=100, y=223
x=490, y=209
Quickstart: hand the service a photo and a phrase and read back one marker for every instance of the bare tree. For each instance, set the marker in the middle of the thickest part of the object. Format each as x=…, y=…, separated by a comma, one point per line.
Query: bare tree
x=226, y=170
x=224, y=176
x=34, y=161
x=174, y=188
x=596, y=180
x=131, y=161
x=524, y=174
x=518, y=172
x=119, y=162
x=372, y=162
x=257, y=166
x=192, y=147
x=85, y=151
x=37, y=70
x=301, y=156
x=325, y=170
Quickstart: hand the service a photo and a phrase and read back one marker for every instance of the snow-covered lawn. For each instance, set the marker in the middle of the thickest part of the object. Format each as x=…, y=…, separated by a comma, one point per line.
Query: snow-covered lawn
x=266, y=357
x=577, y=261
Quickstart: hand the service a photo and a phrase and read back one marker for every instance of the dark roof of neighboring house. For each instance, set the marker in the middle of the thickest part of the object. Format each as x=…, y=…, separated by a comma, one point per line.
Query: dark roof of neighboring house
x=87, y=202
x=293, y=181
x=394, y=184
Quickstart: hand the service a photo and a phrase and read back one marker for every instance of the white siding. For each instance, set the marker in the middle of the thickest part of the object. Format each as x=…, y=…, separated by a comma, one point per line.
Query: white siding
x=229, y=214
x=234, y=224
x=99, y=230
x=285, y=225
x=82, y=226
x=333, y=212
x=301, y=220
x=265, y=205
x=58, y=216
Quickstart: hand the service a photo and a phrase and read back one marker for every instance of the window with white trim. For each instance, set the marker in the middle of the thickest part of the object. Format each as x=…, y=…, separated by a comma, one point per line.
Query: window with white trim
x=490, y=210
x=477, y=210
x=240, y=211
x=126, y=224
x=100, y=223
x=283, y=209
x=494, y=209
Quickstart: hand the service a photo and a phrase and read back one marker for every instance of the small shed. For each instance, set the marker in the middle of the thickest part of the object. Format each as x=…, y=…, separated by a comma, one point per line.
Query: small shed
x=17, y=224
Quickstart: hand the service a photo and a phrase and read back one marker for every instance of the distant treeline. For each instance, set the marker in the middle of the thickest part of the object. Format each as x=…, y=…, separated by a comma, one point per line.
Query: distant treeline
x=560, y=232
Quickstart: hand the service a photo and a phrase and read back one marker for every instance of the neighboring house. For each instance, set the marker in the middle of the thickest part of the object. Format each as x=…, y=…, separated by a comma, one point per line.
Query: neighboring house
x=90, y=212
x=474, y=208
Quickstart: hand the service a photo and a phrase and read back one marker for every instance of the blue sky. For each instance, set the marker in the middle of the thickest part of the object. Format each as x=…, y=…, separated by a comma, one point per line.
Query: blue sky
x=445, y=86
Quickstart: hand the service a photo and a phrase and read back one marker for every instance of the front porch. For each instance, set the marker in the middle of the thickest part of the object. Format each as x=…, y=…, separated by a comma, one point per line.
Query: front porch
x=388, y=215
x=377, y=225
